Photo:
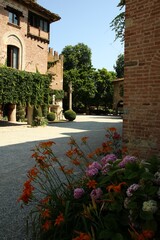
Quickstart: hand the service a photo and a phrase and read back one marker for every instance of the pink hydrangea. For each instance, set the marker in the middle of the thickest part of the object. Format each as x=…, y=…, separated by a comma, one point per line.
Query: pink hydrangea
x=93, y=169
x=127, y=159
x=132, y=189
x=78, y=193
x=108, y=158
x=96, y=193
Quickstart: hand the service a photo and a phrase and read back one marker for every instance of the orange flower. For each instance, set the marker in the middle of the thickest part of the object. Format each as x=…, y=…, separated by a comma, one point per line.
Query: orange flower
x=69, y=153
x=115, y=188
x=46, y=144
x=27, y=192
x=148, y=234
x=34, y=155
x=76, y=162
x=45, y=200
x=83, y=236
x=47, y=225
x=112, y=129
x=46, y=213
x=98, y=151
x=84, y=140
x=91, y=155
x=140, y=237
x=59, y=219
x=32, y=173
x=62, y=168
x=69, y=171
x=47, y=152
x=92, y=184
x=72, y=142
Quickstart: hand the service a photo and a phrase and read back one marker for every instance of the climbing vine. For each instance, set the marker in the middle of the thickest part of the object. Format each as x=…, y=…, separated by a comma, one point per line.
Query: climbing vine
x=21, y=87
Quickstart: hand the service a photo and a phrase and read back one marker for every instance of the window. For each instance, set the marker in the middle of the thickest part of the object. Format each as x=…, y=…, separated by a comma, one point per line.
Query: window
x=12, y=56
x=13, y=18
x=38, y=22
x=44, y=25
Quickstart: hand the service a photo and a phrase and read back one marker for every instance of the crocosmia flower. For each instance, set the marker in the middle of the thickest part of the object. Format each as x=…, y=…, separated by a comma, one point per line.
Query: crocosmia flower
x=78, y=193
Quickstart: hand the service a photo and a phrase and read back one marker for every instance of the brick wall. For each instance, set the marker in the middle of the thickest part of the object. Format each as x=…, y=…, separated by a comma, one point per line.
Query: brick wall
x=56, y=69
x=33, y=52
x=141, y=129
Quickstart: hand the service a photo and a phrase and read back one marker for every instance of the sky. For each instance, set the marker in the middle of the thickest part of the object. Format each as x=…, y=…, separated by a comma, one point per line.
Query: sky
x=87, y=22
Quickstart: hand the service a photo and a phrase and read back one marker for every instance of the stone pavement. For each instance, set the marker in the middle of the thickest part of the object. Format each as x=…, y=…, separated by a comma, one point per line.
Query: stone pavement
x=16, y=143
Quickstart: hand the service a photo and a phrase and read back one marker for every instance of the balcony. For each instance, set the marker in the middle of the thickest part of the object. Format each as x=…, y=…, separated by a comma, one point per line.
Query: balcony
x=38, y=34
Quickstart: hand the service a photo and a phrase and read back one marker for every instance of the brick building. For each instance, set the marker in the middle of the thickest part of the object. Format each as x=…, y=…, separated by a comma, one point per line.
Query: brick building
x=25, y=34
x=55, y=67
x=141, y=129
x=118, y=96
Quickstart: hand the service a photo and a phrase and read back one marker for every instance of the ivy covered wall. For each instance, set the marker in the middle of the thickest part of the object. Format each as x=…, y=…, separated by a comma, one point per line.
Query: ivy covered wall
x=21, y=87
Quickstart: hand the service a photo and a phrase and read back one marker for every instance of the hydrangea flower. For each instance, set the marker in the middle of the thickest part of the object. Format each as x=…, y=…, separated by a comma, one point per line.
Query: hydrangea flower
x=150, y=206
x=126, y=202
x=78, y=193
x=106, y=168
x=108, y=158
x=93, y=169
x=127, y=159
x=96, y=193
x=157, y=178
x=132, y=189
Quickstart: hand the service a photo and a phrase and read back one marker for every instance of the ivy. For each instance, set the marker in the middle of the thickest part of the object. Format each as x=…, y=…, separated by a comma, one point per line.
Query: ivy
x=59, y=94
x=21, y=87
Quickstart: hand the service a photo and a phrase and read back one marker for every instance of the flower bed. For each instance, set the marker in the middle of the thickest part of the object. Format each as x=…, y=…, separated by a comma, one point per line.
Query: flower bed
x=102, y=195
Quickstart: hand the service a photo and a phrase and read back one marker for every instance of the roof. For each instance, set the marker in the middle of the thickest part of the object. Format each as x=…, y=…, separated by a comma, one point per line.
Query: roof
x=30, y=4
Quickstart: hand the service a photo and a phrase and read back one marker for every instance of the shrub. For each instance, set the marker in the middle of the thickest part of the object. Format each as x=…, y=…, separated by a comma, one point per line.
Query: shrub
x=70, y=115
x=99, y=196
x=51, y=116
x=39, y=121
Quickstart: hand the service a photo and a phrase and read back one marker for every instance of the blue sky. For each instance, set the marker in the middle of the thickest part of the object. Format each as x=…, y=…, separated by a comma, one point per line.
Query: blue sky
x=88, y=22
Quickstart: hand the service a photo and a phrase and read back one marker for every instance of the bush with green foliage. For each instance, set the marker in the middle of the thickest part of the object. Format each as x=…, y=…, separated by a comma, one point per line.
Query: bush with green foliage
x=70, y=115
x=38, y=119
x=51, y=116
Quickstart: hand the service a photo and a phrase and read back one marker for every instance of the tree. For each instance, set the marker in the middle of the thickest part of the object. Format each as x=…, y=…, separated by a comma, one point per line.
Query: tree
x=104, y=88
x=118, y=23
x=77, y=57
x=119, y=67
x=78, y=70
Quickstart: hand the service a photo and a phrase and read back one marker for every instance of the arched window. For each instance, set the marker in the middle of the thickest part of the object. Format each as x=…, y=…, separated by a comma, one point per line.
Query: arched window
x=12, y=56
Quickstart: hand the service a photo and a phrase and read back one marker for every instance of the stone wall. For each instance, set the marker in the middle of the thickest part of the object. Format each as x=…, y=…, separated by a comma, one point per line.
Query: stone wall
x=141, y=129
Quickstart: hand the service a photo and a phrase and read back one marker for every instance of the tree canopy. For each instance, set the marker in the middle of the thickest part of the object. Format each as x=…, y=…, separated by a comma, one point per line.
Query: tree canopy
x=90, y=86
x=118, y=23
x=119, y=67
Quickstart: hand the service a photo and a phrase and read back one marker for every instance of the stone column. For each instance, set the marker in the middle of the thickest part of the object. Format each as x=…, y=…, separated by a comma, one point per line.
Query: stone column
x=12, y=112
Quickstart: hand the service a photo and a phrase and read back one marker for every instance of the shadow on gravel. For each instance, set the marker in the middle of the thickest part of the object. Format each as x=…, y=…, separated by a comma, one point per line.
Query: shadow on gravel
x=10, y=124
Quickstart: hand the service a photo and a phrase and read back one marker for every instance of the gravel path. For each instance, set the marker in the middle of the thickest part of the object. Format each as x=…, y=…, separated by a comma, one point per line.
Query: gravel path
x=16, y=142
